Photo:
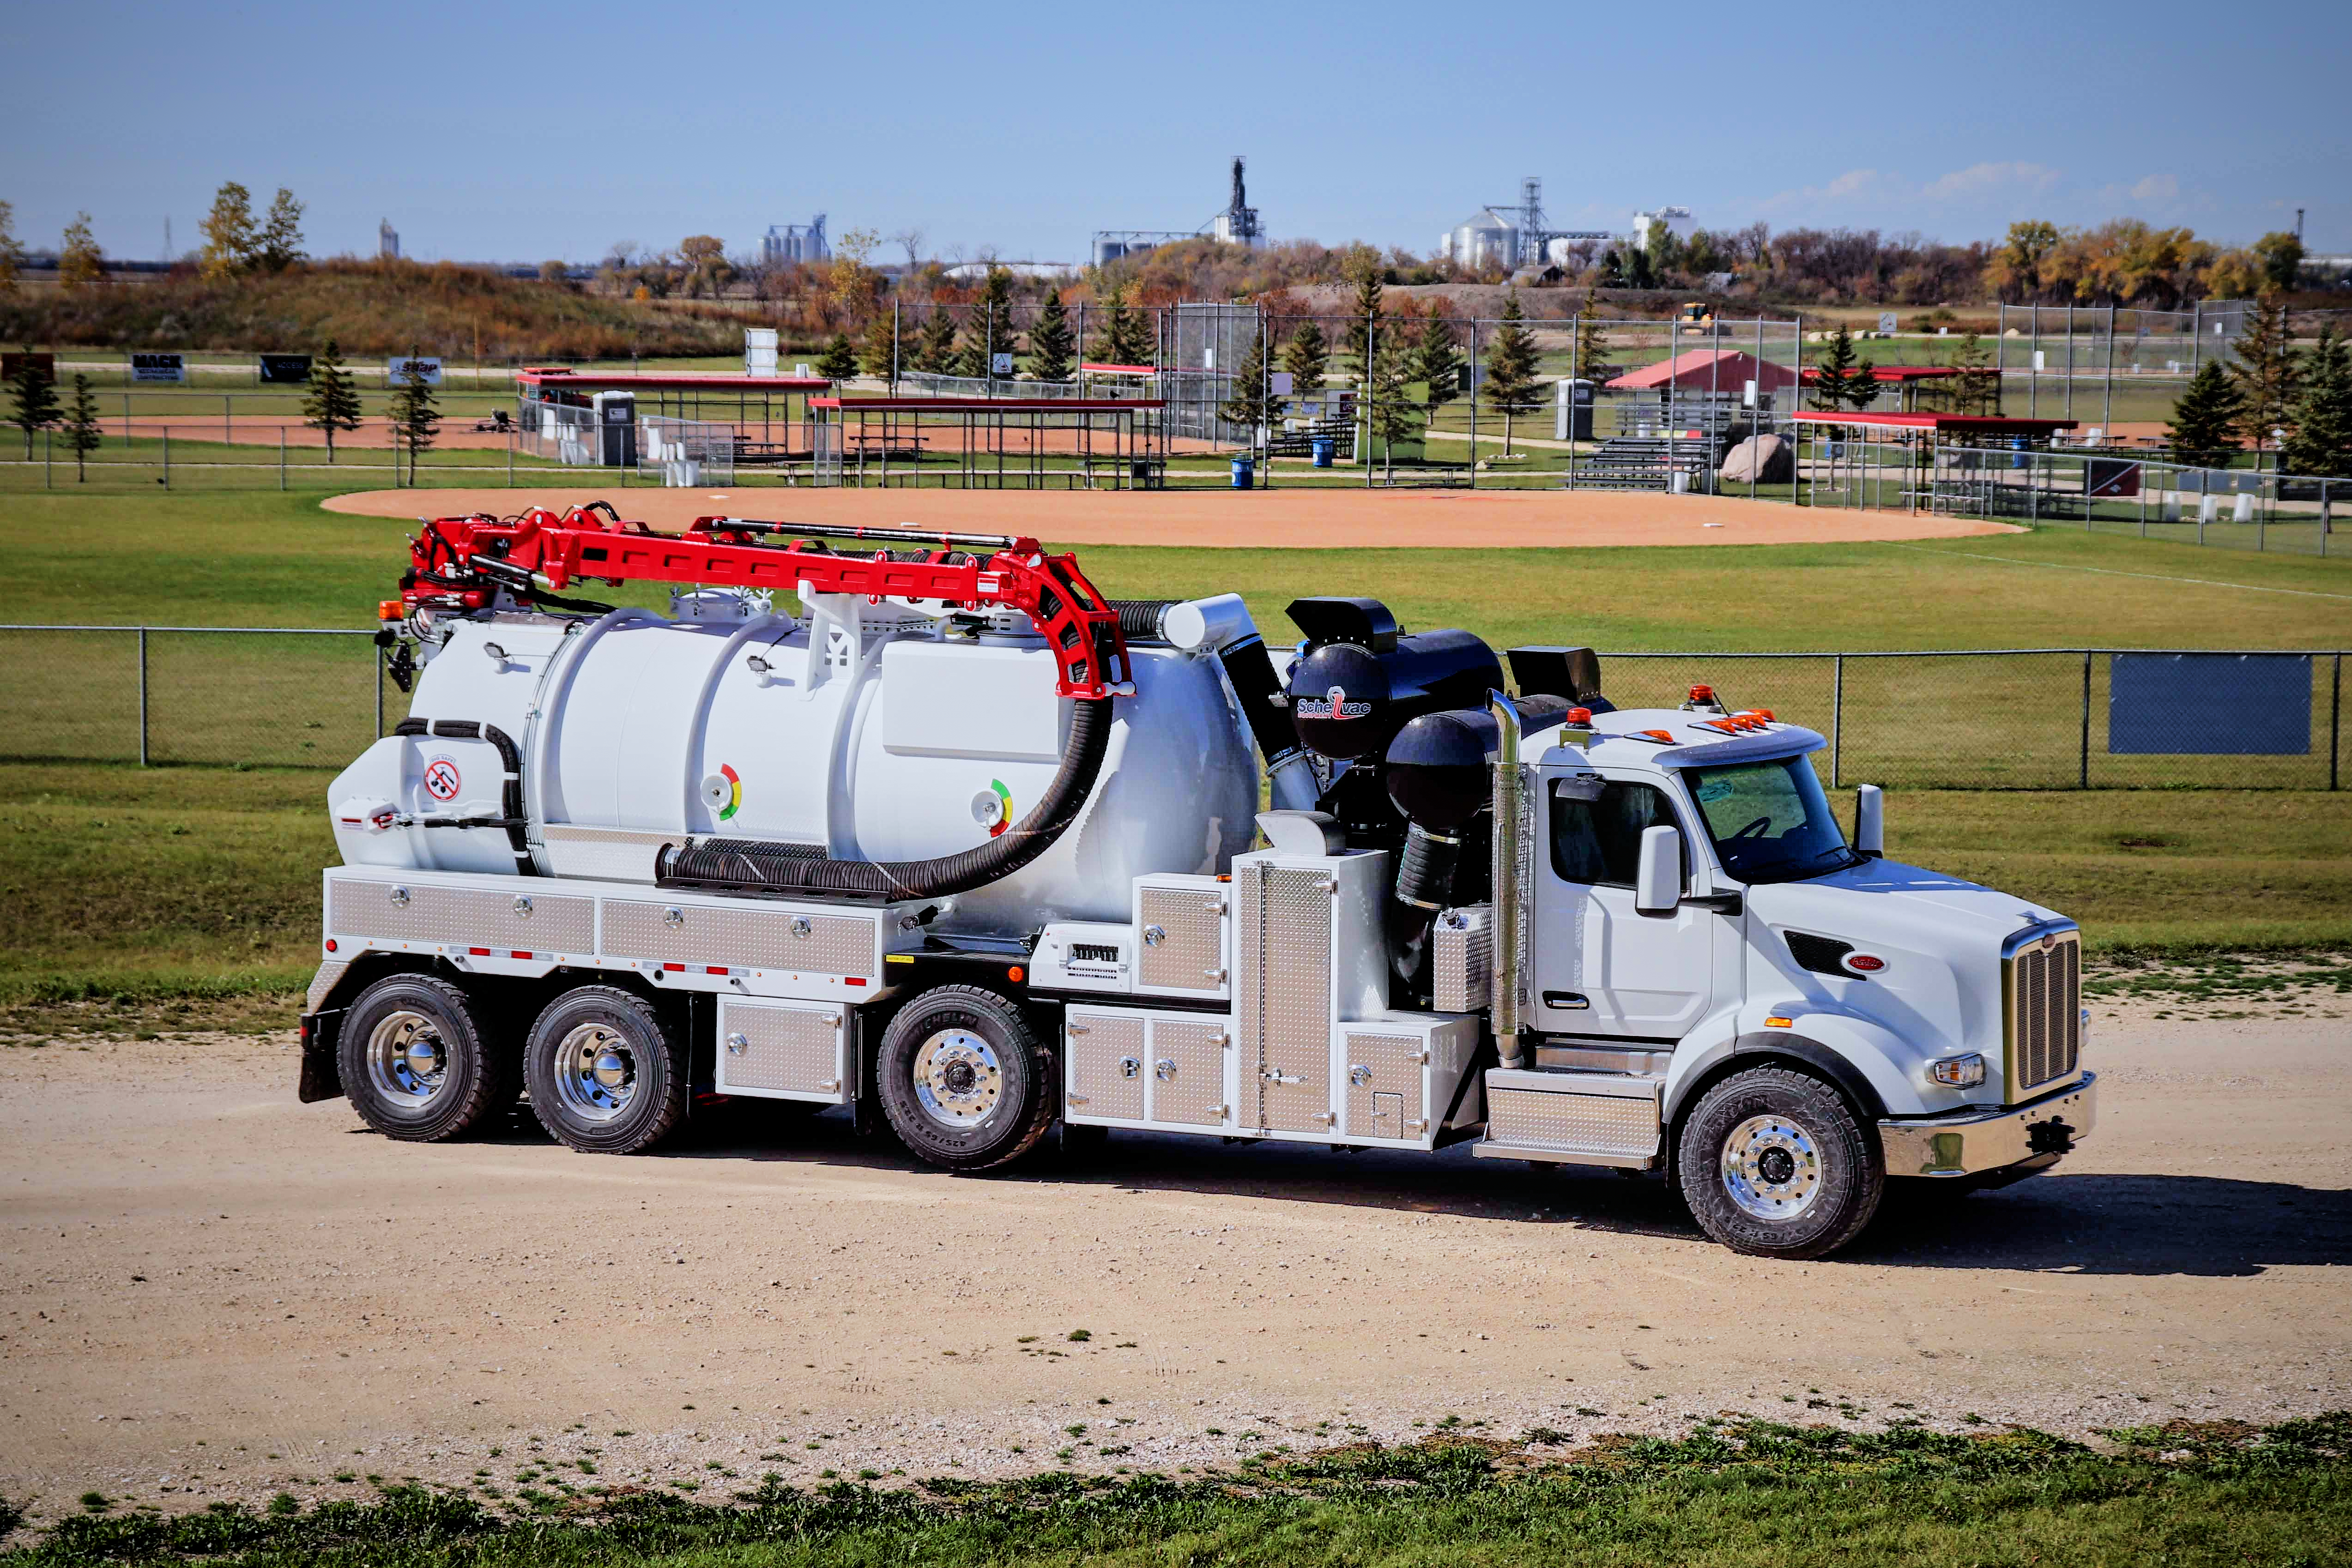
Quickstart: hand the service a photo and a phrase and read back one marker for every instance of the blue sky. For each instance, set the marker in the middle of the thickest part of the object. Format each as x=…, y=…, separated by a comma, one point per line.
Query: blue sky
x=518, y=131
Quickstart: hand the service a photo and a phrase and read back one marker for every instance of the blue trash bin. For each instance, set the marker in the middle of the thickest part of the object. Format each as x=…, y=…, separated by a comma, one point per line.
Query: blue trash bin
x=2017, y=444
x=1323, y=449
x=1244, y=472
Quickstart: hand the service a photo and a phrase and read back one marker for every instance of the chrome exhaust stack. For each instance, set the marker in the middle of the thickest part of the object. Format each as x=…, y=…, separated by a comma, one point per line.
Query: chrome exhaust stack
x=1509, y=896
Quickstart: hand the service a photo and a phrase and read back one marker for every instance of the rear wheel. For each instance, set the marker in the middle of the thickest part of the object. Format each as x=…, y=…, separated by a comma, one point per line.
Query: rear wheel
x=415, y=1065
x=963, y=1079
x=1774, y=1163
x=607, y=1076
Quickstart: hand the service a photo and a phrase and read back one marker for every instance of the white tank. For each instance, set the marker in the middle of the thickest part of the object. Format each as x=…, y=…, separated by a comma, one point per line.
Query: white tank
x=867, y=731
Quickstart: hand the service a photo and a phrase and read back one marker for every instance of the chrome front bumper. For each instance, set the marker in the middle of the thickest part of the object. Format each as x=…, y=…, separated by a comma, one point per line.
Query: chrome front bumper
x=1971, y=1141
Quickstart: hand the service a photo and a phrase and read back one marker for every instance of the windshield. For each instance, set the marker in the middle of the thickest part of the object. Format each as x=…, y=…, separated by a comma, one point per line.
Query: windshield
x=1770, y=820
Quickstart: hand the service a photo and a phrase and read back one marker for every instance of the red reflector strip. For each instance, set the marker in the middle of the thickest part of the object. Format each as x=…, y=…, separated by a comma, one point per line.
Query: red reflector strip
x=518, y=955
x=675, y=968
x=855, y=981
x=480, y=952
x=714, y=968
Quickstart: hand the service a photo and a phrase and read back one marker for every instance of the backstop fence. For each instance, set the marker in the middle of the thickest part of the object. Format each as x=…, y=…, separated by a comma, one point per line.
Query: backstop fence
x=2039, y=718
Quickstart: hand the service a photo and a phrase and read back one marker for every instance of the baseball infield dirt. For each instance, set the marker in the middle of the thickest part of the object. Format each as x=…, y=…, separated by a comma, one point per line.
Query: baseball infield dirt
x=1300, y=518
x=211, y=1292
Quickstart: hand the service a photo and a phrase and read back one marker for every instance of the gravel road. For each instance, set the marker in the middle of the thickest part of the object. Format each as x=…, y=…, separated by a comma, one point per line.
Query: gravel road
x=208, y=1290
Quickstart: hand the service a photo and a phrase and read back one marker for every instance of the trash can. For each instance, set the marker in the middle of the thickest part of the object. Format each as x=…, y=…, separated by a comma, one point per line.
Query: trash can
x=1324, y=446
x=1244, y=473
x=2017, y=445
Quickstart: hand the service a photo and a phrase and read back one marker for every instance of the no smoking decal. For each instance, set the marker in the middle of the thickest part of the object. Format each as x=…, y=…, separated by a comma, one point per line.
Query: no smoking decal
x=441, y=778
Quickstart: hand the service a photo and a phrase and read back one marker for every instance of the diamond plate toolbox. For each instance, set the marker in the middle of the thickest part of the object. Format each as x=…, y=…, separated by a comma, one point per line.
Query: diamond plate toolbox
x=1461, y=955
x=1605, y=1118
x=1182, y=924
x=766, y=937
x=783, y=1050
x=1103, y=1061
x=1126, y=1067
x=420, y=912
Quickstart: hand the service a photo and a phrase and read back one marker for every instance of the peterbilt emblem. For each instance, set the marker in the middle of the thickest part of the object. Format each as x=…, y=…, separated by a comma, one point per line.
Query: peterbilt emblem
x=2048, y=941
x=1333, y=704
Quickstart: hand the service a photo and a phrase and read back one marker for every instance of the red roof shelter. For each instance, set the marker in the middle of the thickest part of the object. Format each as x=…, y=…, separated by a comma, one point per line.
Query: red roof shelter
x=1709, y=370
x=1939, y=424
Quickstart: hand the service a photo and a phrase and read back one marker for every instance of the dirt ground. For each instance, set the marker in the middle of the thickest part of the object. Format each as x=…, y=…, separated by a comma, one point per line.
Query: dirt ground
x=1296, y=518
x=210, y=1291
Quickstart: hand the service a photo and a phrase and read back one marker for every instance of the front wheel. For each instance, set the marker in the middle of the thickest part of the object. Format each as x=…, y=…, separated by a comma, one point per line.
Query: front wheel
x=1774, y=1163
x=963, y=1079
x=607, y=1076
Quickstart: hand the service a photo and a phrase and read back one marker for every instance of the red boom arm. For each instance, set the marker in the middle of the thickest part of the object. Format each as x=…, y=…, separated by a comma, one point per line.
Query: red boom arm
x=462, y=563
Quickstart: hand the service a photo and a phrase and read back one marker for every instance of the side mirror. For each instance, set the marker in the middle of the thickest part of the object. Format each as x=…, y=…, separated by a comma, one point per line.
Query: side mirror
x=1658, y=876
x=1870, y=820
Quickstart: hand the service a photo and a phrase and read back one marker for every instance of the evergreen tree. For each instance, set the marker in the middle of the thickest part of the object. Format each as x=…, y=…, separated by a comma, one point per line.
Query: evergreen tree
x=1977, y=389
x=81, y=428
x=1593, y=351
x=1129, y=335
x=35, y=393
x=2322, y=442
x=1307, y=358
x=989, y=328
x=333, y=402
x=1053, y=350
x=280, y=244
x=1511, y=368
x=884, y=350
x=1387, y=415
x=1110, y=330
x=1438, y=365
x=230, y=243
x=1840, y=378
x=2205, y=419
x=1249, y=406
x=2264, y=373
x=935, y=348
x=1364, y=312
x=79, y=258
x=839, y=361
x=414, y=414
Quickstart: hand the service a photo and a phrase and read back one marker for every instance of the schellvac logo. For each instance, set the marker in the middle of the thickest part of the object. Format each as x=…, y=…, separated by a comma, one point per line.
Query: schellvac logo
x=1334, y=705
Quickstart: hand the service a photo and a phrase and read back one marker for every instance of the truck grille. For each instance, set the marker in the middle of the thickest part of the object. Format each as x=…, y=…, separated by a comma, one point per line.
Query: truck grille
x=2045, y=1017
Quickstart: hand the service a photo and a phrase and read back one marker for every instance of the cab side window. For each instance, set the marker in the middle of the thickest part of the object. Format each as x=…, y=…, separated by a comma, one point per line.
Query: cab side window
x=1599, y=842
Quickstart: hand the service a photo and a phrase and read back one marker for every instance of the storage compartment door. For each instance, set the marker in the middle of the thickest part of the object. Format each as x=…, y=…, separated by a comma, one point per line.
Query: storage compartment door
x=783, y=1051
x=1103, y=1056
x=1386, y=1076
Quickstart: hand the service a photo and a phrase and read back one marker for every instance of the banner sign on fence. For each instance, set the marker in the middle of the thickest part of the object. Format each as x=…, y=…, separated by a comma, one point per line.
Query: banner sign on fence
x=284, y=370
x=14, y=365
x=158, y=367
x=2212, y=705
x=425, y=368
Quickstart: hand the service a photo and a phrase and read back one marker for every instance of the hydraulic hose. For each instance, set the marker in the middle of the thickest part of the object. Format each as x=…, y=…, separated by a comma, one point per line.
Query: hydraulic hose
x=750, y=866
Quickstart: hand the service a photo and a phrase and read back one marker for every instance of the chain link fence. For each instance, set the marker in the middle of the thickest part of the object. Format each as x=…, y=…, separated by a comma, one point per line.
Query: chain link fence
x=2049, y=718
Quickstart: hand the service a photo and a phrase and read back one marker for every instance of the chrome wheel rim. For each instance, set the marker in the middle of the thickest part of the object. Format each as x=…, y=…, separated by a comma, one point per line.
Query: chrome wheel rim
x=595, y=1072
x=958, y=1078
x=1771, y=1169
x=408, y=1060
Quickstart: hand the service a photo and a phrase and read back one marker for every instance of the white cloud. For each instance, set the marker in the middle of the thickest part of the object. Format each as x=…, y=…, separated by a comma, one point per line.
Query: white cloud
x=1979, y=182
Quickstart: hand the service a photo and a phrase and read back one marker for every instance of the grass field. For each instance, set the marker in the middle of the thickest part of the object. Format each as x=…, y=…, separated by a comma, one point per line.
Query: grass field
x=1742, y=1493
x=200, y=881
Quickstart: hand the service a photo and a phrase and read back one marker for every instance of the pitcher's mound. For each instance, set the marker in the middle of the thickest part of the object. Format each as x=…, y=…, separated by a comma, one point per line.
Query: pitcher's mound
x=1321, y=518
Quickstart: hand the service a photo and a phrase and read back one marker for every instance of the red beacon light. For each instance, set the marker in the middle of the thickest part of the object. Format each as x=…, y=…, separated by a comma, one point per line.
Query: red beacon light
x=1582, y=716
x=1702, y=694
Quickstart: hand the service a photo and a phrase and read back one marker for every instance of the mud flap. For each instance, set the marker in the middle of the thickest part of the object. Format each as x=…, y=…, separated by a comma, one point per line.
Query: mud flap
x=321, y=1078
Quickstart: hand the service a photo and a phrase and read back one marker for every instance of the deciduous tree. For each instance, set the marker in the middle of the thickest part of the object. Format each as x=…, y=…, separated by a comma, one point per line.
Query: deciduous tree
x=2281, y=255
x=280, y=246
x=230, y=242
x=333, y=402
x=11, y=249
x=79, y=261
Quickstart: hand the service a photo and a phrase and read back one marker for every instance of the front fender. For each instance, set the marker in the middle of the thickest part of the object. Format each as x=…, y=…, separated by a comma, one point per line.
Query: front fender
x=1864, y=1061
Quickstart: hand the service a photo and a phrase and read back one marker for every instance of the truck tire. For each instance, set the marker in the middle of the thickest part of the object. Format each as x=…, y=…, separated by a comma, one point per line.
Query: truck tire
x=964, y=1078
x=415, y=1065
x=1774, y=1163
x=607, y=1076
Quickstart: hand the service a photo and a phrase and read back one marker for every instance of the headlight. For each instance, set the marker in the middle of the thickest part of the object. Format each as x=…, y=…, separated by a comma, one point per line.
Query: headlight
x=1959, y=1071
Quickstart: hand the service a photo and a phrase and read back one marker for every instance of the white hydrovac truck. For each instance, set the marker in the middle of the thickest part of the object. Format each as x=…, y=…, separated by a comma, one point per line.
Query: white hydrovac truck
x=964, y=847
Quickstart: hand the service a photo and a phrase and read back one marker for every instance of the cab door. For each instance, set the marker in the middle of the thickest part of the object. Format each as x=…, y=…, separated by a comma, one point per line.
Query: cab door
x=1599, y=967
